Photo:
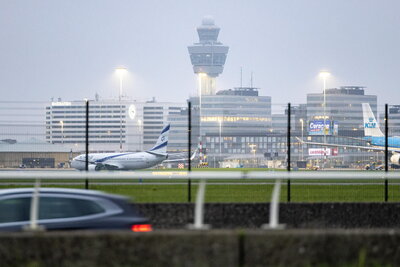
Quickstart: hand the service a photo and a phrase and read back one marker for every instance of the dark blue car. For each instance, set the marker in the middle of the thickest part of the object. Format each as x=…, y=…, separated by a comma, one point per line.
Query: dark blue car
x=69, y=209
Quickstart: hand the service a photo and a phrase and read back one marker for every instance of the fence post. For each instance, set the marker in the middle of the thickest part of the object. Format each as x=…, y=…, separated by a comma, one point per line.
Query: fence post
x=87, y=144
x=274, y=208
x=386, y=151
x=288, y=151
x=189, y=149
x=199, y=208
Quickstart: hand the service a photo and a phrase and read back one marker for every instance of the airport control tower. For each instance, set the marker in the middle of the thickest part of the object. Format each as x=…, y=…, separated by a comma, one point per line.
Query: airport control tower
x=208, y=56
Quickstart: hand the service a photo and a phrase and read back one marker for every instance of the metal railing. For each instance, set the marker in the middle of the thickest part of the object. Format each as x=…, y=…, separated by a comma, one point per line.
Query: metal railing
x=203, y=177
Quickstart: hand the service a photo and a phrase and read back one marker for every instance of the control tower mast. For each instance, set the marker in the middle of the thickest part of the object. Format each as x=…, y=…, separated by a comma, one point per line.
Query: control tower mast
x=208, y=56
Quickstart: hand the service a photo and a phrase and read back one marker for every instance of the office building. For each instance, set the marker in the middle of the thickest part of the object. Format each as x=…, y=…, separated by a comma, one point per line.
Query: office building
x=394, y=120
x=134, y=126
x=298, y=119
x=231, y=120
x=343, y=105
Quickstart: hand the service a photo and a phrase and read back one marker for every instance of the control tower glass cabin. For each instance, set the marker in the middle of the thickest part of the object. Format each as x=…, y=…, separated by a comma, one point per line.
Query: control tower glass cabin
x=208, y=56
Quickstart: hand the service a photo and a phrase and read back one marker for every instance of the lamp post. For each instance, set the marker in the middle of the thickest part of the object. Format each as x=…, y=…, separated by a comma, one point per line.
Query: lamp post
x=220, y=139
x=302, y=139
x=253, y=150
x=120, y=72
x=62, y=132
x=324, y=75
x=140, y=134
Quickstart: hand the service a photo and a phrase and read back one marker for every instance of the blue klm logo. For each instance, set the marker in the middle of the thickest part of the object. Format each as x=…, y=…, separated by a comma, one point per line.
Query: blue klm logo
x=370, y=124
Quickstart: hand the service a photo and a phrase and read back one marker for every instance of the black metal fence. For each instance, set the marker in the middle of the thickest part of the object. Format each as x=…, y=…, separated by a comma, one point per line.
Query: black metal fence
x=249, y=135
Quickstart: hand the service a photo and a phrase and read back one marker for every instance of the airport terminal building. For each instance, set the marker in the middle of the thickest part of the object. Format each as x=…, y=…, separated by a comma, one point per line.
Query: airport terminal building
x=132, y=125
x=231, y=121
x=343, y=105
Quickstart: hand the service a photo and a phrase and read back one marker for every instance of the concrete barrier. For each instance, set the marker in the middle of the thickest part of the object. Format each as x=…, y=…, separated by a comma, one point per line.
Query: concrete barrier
x=77, y=249
x=294, y=215
x=322, y=248
x=295, y=247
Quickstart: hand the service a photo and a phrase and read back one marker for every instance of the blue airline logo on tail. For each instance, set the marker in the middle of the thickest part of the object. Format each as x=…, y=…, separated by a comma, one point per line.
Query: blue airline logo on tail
x=371, y=124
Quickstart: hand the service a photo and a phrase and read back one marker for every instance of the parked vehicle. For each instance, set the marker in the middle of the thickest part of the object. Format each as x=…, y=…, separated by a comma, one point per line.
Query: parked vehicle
x=69, y=209
x=374, y=167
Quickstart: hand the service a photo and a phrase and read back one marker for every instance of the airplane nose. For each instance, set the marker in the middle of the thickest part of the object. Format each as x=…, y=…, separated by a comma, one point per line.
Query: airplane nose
x=75, y=164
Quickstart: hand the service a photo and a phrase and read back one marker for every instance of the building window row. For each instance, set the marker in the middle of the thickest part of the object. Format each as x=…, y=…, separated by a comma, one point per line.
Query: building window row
x=148, y=108
x=83, y=126
x=152, y=127
x=153, y=122
x=84, y=117
x=77, y=132
x=90, y=122
x=153, y=113
x=152, y=117
x=84, y=106
x=83, y=136
x=90, y=112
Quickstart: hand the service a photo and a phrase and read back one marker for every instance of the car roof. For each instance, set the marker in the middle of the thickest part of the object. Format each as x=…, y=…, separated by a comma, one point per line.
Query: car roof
x=71, y=191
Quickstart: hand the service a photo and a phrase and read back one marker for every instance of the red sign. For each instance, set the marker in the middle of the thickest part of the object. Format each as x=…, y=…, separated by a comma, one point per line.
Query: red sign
x=323, y=152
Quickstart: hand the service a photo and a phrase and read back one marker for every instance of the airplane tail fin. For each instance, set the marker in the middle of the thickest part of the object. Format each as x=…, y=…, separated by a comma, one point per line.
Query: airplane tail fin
x=371, y=126
x=161, y=146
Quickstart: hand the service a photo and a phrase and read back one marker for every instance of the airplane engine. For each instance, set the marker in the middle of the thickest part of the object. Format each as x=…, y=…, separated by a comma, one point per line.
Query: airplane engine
x=95, y=167
x=395, y=159
x=92, y=167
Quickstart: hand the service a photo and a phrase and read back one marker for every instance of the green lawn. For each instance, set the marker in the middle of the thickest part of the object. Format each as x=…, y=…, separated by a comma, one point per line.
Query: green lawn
x=246, y=190
x=255, y=193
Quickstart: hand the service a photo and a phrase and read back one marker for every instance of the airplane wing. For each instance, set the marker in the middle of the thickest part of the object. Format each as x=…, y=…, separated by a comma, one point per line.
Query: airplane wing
x=183, y=159
x=349, y=146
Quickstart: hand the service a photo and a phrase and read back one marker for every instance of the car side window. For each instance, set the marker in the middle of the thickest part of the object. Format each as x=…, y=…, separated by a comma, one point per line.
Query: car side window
x=15, y=209
x=64, y=207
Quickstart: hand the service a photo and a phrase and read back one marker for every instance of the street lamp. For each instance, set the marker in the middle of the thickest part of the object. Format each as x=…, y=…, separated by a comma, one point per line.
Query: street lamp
x=302, y=140
x=62, y=132
x=140, y=134
x=220, y=141
x=324, y=75
x=200, y=77
x=120, y=72
x=253, y=150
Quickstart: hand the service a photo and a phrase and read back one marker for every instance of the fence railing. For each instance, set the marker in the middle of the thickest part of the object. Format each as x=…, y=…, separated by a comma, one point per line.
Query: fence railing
x=202, y=177
x=199, y=175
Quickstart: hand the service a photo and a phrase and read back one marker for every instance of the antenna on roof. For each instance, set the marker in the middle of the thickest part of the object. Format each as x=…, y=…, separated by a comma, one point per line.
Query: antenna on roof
x=251, y=80
x=241, y=75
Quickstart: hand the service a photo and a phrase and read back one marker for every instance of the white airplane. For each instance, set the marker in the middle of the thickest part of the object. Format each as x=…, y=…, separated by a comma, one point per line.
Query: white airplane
x=373, y=135
x=126, y=160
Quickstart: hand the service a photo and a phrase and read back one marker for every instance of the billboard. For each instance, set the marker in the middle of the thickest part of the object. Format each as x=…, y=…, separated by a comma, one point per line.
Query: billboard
x=322, y=151
x=316, y=127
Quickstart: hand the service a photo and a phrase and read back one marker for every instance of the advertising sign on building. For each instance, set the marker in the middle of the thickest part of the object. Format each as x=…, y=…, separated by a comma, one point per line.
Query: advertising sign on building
x=322, y=151
x=316, y=127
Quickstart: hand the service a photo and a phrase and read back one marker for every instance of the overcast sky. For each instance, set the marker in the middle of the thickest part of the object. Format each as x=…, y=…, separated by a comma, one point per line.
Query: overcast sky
x=70, y=48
